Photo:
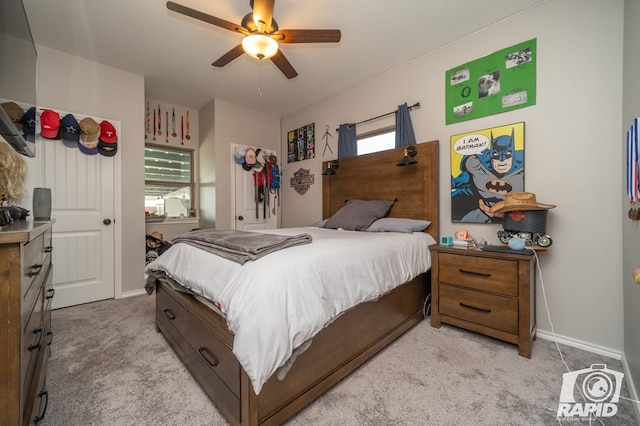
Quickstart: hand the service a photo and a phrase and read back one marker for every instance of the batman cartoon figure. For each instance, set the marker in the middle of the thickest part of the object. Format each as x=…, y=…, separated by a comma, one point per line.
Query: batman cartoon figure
x=485, y=179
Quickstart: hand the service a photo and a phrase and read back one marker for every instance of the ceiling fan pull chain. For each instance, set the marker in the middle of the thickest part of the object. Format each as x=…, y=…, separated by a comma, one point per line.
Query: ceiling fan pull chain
x=260, y=79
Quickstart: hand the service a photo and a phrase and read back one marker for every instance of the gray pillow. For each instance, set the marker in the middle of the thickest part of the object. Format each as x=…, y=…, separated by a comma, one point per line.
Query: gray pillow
x=393, y=224
x=357, y=215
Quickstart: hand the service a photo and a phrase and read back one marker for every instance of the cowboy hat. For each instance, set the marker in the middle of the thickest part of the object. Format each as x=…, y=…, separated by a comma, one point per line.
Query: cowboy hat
x=516, y=201
x=157, y=236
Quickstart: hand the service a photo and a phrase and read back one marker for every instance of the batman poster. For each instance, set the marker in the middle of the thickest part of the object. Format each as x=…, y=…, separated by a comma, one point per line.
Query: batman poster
x=486, y=165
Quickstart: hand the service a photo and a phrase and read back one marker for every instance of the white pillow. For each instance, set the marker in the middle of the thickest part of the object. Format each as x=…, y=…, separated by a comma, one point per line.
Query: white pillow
x=393, y=224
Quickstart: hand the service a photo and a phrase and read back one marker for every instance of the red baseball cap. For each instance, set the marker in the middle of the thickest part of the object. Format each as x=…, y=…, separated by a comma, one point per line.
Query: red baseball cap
x=50, y=124
x=108, y=132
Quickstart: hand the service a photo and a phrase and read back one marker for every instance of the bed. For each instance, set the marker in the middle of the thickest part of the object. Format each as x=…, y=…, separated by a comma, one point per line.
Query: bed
x=200, y=331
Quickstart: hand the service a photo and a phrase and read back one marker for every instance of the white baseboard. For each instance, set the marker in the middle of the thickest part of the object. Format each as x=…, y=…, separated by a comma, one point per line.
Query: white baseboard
x=600, y=350
x=633, y=392
x=133, y=293
x=580, y=344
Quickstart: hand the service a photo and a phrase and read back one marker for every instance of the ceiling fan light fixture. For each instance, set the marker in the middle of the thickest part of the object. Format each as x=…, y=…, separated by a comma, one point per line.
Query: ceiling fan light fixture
x=260, y=46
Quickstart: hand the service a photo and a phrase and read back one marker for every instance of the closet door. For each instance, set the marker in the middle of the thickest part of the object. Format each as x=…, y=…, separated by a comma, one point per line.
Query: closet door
x=82, y=193
x=253, y=208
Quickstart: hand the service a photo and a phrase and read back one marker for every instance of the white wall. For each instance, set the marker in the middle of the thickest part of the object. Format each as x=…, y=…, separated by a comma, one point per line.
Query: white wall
x=233, y=125
x=171, y=228
x=630, y=229
x=572, y=146
x=207, y=167
x=70, y=83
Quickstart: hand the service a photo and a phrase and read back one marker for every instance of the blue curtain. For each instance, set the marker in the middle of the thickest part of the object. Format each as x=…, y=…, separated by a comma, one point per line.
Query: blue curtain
x=404, y=128
x=347, y=143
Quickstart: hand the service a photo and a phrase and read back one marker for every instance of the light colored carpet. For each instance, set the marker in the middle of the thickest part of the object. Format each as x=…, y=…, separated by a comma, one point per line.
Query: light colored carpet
x=110, y=367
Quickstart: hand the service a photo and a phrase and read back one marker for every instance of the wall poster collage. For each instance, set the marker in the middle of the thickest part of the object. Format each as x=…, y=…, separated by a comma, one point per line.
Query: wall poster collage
x=499, y=82
x=301, y=143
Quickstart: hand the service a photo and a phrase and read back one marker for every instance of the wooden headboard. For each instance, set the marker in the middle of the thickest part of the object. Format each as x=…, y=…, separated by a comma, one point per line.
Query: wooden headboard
x=376, y=177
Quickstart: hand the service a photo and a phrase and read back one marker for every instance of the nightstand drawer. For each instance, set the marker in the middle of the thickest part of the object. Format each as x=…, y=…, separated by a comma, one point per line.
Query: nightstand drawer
x=498, y=312
x=493, y=275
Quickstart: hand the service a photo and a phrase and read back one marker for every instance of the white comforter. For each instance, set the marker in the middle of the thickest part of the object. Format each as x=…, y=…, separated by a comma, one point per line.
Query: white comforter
x=275, y=304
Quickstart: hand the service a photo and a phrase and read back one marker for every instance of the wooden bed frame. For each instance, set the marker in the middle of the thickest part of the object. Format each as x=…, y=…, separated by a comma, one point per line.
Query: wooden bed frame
x=202, y=340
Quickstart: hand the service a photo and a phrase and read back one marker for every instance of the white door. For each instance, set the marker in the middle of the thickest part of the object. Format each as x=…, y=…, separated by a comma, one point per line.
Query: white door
x=252, y=211
x=82, y=199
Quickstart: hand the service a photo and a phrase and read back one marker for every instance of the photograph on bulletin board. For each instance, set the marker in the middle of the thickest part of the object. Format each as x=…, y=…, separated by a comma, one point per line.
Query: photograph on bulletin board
x=500, y=82
x=486, y=165
x=301, y=143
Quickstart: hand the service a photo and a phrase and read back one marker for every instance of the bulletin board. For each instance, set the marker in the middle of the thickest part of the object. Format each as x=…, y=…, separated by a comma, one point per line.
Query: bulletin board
x=502, y=81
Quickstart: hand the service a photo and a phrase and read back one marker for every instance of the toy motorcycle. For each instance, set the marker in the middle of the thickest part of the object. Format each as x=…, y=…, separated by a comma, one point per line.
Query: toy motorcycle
x=530, y=238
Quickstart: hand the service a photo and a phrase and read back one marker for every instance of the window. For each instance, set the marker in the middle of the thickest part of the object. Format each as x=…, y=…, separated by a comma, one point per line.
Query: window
x=168, y=182
x=369, y=143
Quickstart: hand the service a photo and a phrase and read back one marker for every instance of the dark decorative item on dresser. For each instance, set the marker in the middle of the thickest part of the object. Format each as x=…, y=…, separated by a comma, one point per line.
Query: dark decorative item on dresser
x=486, y=292
x=25, y=321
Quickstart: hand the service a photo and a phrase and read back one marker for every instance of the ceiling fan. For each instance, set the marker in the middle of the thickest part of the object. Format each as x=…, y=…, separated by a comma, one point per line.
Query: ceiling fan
x=261, y=34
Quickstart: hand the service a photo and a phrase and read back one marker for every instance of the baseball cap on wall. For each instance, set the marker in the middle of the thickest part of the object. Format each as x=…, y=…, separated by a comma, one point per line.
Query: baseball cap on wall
x=108, y=132
x=69, y=131
x=89, y=129
x=89, y=134
x=49, y=124
x=107, y=149
x=29, y=124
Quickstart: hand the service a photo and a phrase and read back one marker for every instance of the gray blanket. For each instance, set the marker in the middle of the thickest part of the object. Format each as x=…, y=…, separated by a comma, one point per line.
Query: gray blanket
x=240, y=246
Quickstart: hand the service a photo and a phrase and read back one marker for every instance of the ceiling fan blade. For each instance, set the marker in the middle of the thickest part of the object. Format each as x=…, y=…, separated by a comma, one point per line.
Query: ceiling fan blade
x=229, y=56
x=308, y=36
x=196, y=14
x=262, y=12
x=284, y=65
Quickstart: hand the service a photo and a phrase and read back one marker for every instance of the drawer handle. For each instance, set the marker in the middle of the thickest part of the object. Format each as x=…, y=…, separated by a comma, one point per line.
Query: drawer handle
x=36, y=269
x=36, y=346
x=50, y=336
x=204, y=356
x=50, y=293
x=482, y=274
x=44, y=394
x=48, y=249
x=464, y=305
x=169, y=314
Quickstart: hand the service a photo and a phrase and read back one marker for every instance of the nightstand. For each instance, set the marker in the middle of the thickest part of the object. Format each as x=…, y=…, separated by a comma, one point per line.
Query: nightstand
x=486, y=292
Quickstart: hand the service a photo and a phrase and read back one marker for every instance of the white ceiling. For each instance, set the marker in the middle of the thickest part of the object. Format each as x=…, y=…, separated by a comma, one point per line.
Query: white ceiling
x=174, y=53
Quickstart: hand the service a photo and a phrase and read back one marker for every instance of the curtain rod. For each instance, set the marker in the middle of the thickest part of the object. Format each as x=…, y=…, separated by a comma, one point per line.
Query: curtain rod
x=416, y=105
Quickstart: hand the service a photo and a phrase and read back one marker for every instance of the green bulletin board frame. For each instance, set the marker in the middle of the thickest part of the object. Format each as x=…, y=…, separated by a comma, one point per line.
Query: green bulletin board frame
x=502, y=81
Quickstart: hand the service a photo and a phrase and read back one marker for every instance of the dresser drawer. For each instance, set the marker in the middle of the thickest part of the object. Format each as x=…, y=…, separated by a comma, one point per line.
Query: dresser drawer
x=32, y=267
x=493, y=275
x=47, y=242
x=171, y=316
x=33, y=339
x=490, y=310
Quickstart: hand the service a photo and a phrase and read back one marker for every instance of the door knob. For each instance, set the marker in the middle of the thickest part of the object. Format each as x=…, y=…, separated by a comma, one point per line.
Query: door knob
x=107, y=221
x=240, y=217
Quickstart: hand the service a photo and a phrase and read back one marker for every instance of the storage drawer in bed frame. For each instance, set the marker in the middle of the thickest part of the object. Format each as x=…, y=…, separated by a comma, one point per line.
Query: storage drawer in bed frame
x=171, y=318
x=204, y=343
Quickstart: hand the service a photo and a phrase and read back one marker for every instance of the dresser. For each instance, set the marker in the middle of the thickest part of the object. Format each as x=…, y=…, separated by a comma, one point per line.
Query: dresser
x=486, y=292
x=25, y=320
